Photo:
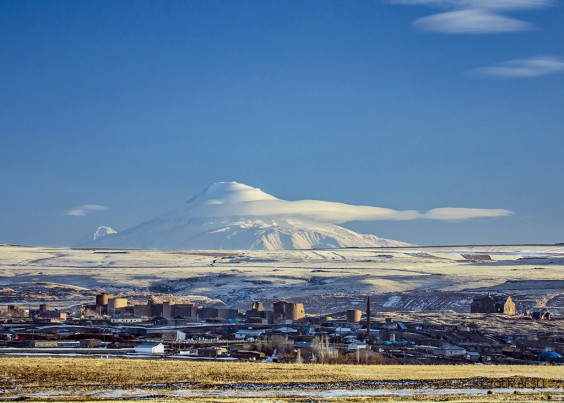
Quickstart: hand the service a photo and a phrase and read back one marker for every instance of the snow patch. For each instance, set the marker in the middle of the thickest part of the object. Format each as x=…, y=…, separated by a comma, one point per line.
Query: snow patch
x=392, y=301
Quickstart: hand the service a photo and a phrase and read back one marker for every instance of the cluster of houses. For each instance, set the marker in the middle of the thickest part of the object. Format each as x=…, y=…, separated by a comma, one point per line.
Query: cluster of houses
x=117, y=310
x=285, y=333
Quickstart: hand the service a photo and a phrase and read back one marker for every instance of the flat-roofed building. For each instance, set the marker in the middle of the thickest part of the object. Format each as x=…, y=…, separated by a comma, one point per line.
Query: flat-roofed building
x=149, y=348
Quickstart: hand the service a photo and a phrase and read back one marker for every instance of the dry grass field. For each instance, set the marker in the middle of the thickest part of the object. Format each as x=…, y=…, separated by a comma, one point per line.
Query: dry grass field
x=86, y=379
x=39, y=371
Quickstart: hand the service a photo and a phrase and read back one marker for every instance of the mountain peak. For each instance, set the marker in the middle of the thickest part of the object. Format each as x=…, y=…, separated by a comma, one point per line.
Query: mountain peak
x=230, y=192
x=232, y=215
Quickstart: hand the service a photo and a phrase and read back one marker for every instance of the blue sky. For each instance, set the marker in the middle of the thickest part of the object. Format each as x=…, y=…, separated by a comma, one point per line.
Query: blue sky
x=408, y=104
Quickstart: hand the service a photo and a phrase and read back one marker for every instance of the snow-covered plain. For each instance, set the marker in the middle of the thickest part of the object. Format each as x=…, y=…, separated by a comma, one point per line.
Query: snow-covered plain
x=299, y=391
x=417, y=278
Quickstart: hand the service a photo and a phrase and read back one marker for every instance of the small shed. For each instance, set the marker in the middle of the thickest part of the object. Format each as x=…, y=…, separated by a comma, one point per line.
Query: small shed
x=212, y=352
x=150, y=348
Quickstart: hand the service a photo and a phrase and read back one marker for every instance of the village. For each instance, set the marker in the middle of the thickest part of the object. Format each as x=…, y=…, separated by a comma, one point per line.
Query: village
x=492, y=333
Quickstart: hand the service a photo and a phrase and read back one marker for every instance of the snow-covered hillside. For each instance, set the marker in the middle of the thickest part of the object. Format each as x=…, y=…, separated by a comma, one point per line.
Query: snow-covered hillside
x=327, y=281
x=230, y=215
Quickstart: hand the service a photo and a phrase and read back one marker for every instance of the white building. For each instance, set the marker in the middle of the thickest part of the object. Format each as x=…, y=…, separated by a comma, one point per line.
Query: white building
x=449, y=350
x=150, y=348
x=357, y=345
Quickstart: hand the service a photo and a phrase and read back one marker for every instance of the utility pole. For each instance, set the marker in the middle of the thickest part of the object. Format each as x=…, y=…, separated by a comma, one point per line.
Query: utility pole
x=368, y=313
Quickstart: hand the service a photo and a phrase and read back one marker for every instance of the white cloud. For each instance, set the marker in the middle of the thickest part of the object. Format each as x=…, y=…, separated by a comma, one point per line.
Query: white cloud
x=339, y=213
x=75, y=212
x=507, y=4
x=531, y=67
x=324, y=211
x=83, y=210
x=235, y=199
x=472, y=21
x=453, y=213
x=474, y=16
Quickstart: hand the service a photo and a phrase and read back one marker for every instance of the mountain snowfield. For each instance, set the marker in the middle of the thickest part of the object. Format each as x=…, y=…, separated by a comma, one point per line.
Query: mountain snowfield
x=102, y=232
x=231, y=215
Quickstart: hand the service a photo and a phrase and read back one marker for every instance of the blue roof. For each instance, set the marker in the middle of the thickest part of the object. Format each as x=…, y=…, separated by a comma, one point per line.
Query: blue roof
x=551, y=355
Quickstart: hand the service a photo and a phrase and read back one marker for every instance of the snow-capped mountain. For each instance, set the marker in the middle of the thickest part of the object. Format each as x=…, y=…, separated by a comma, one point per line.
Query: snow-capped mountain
x=102, y=231
x=230, y=215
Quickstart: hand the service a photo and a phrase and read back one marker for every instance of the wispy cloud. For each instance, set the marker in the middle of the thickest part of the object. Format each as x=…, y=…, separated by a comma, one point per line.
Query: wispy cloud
x=257, y=205
x=531, y=67
x=455, y=214
x=472, y=21
x=339, y=213
x=473, y=16
x=83, y=210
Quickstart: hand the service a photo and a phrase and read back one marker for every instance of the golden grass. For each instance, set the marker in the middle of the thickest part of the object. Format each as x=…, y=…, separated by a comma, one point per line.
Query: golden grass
x=49, y=371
